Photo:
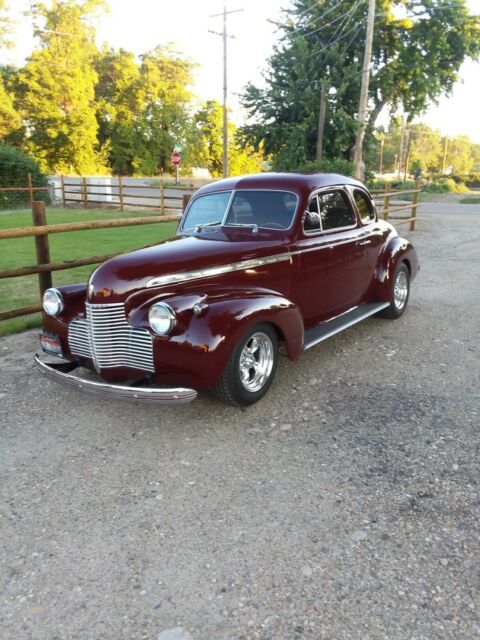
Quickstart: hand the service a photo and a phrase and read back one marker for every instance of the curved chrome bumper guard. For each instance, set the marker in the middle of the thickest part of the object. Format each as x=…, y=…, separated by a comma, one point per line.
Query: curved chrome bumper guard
x=160, y=395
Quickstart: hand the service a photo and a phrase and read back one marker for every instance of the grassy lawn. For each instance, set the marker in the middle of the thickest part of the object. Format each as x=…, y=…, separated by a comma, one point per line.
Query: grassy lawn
x=470, y=200
x=20, y=252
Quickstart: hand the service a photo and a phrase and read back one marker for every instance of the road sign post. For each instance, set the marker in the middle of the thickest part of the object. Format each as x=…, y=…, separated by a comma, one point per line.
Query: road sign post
x=176, y=161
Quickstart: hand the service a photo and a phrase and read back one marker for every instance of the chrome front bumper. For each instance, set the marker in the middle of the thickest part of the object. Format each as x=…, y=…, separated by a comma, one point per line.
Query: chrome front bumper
x=160, y=395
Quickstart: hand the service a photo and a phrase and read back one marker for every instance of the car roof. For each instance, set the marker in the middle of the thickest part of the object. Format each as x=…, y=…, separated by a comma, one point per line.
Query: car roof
x=296, y=182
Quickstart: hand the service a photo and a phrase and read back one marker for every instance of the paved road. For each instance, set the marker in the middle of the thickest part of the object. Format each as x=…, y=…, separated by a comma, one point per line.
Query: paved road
x=446, y=208
x=344, y=506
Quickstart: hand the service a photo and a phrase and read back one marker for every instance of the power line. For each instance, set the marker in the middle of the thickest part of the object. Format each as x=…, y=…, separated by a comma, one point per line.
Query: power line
x=355, y=28
x=321, y=16
x=348, y=15
x=342, y=16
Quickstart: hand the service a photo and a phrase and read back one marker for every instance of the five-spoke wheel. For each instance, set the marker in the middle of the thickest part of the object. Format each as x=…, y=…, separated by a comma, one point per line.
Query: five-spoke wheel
x=400, y=291
x=250, y=370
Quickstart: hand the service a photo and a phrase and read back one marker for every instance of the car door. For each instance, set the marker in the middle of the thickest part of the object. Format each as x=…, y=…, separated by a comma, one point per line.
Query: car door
x=331, y=256
x=374, y=234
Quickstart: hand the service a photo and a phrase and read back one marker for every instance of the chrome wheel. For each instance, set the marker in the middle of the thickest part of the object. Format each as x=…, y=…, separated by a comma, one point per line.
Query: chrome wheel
x=400, y=290
x=256, y=362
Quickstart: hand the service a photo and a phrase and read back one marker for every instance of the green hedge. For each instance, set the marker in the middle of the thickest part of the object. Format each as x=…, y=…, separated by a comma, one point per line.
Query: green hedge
x=14, y=169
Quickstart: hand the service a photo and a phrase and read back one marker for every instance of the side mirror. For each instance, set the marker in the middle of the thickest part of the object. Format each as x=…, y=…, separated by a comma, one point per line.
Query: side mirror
x=311, y=221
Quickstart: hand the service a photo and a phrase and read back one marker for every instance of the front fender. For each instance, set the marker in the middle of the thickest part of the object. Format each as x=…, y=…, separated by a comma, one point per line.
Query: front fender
x=74, y=297
x=198, y=349
x=397, y=250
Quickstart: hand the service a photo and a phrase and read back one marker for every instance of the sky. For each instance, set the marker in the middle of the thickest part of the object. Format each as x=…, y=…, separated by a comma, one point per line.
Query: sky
x=141, y=25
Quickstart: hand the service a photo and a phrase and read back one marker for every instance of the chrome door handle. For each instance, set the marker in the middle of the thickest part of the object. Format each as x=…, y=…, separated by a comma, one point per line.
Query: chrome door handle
x=365, y=242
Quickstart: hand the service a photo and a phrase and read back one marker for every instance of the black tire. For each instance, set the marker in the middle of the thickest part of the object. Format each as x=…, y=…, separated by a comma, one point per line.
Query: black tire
x=399, y=294
x=230, y=387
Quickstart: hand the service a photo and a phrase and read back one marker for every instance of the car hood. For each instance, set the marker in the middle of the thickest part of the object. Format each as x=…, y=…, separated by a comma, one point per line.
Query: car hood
x=131, y=272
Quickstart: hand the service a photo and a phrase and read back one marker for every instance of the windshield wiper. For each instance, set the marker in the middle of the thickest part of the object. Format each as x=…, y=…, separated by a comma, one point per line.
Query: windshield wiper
x=253, y=227
x=199, y=227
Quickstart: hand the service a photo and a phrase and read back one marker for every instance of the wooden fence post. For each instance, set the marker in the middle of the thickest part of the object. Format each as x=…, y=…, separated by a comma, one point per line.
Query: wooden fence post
x=162, y=196
x=41, y=245
x=30, y=189
x=84, y=192
x=386, y=201
x=62, y=182
x=414, y=206
x=185, y=198
x=120, y=191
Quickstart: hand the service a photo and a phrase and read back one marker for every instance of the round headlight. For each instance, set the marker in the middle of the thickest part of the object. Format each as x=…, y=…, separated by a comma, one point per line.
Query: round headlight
x=161, y=318
x=52, y=302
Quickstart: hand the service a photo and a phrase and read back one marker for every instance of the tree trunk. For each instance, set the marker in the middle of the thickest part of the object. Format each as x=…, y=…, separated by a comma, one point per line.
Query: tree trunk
x=363, y=104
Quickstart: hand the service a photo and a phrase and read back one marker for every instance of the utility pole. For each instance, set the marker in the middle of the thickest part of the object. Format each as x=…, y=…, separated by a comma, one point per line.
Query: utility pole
x=363, y=104
x=321, y=122
x=400, y=153
x=224, y=35
x=445, y=156
x=407, y=157
x=382, y=144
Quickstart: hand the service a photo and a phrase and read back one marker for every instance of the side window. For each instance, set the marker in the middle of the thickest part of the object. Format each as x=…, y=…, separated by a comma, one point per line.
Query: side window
x=312, y=217
x=334, y=211
x=364, y=206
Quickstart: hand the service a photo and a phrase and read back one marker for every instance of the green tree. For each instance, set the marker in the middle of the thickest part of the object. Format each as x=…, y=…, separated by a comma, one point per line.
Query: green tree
x=426, y=148
x=245, y=159
x=163, y=119
x=6, y=25
x=207, y=144
x=55, y=90
x=9, y=118
x=118, y=107
x=461, y=155
x=144, y=109
x=207, y=137
x=415, y=58
x=15, y=167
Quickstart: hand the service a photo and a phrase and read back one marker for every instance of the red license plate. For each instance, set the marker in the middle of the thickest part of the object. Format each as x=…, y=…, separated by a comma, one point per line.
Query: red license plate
x=51, y=344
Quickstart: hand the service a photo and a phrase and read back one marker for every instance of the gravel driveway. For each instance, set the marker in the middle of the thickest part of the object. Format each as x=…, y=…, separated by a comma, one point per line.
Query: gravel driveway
x=345, y=505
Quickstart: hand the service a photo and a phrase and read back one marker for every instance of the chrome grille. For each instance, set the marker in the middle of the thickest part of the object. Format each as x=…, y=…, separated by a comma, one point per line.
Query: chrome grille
x=106, y=337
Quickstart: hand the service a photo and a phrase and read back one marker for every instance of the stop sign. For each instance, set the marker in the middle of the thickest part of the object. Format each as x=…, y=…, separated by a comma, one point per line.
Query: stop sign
x=176, y=158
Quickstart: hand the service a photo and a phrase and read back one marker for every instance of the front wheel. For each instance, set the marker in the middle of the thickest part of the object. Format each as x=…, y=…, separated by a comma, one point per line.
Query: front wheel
x=399, y=294
x=251, y=368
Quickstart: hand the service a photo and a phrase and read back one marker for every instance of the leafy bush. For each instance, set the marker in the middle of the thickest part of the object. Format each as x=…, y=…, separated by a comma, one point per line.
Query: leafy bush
x=403, y=184
x=445, y=185
x=337, y=165
x=473, y=180
x=14, y=169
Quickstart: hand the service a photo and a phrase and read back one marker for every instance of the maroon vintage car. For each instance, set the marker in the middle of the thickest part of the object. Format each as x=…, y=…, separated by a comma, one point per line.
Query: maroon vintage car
x=259, y=260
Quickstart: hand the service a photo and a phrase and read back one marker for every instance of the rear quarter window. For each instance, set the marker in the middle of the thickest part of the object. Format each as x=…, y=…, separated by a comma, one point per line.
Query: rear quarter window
x=364, y=206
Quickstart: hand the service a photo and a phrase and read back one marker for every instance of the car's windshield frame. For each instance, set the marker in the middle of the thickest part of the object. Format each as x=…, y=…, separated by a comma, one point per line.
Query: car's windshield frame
x=224, y=223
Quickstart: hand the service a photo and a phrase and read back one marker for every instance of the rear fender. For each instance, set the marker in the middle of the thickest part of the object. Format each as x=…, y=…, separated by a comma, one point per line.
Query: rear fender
x=397, y=250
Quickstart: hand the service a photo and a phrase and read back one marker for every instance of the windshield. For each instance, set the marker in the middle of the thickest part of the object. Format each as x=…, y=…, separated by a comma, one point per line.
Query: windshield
x=267, y=209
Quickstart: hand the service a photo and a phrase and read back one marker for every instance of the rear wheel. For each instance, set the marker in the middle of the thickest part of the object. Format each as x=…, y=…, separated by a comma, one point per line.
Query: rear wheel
x=251, y=368
x=399, y=294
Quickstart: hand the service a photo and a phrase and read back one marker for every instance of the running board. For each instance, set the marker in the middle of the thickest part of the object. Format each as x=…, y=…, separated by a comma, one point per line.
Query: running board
x=330, y=327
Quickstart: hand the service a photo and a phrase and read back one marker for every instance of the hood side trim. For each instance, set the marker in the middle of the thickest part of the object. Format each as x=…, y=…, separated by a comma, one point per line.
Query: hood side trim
x=175, y=278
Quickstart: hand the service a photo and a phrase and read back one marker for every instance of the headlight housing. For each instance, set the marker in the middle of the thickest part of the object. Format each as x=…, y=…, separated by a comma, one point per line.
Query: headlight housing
x=161, y=318
x=52, y=302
